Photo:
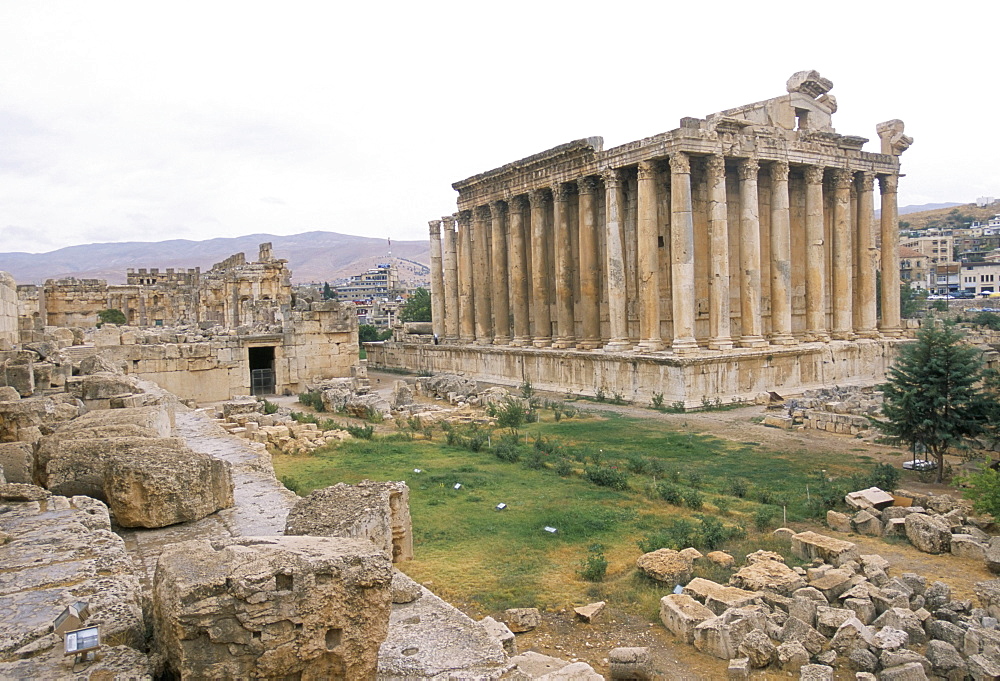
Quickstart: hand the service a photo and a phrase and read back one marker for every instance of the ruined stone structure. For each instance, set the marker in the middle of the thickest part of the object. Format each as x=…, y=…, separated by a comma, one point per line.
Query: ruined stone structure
x=734, y=254
x=8, y=311
x=233, y=293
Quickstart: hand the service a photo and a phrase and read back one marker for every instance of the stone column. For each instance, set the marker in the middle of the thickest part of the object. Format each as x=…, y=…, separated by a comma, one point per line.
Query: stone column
x=564, y=268
x=781, y=257
x=518, y=271
x=451, y=309
x=648, y=261
x=682, y=254
x=590, y=284
x=437, y=281
x=750, y=320
x=501, y=295
x=718, y=230
x=864, y=292
x=467, y=302
x=815, y=257
x=615, y=262
x=539, y=272
x=842, y=262
x=890, y=325
x=482, y=288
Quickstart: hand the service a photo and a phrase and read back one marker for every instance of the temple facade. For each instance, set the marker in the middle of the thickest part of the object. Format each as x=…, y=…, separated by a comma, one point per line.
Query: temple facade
x=749, y=231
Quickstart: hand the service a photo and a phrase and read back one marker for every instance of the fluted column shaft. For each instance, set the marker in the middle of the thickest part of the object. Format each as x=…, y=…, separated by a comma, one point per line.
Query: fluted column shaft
x=450, y=266
x=501, y=294
x=437, y=280
x=682, y=254
x=648, y=235
x=615, y=262
x=564, y=268
x=864, y=301
x=842, y=262
x=590, y=284
x=467, y=326
x=750, y=318
x=815, y=257
x=719, y=330
x=539, y=270
x=483, y=287
x=890, y=325
x=781, y=257
x=518, y=271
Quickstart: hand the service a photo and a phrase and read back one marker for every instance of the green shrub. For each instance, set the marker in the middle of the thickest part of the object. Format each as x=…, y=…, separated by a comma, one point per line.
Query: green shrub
x=270, y=407
x=678, y=534
x=763, y=516
x=507, y=449
x=670, y=493
x=713, y=532
x=509, y=413
x=737, y=487
x=536, y=459
x=724, y=504
x=607, y=476
x=984, y=490
x=695, y=479
x=361, y=432
x=657, y=401
x=527, y=392
x=564, y=467
x=594, y=567
x=693, y=498
x=312, y=399
x=291, y=483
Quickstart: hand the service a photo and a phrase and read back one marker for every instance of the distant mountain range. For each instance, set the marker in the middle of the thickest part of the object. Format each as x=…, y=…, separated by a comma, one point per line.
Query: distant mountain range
x=312, y=257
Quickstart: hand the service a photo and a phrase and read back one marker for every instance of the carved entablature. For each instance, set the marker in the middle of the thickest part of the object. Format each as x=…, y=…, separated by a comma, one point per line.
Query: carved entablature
x=894, y=142
x=809, y=83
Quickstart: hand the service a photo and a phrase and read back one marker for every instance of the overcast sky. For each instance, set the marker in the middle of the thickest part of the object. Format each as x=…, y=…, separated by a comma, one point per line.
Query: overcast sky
x=146, y=121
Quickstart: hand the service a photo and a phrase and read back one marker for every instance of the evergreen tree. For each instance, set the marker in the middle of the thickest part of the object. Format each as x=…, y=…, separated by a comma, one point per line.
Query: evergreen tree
x=417, y=307
x=328, y=293
x=933, y=394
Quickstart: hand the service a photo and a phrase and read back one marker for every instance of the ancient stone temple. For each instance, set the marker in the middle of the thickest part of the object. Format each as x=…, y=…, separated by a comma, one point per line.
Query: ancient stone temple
x=733, y=255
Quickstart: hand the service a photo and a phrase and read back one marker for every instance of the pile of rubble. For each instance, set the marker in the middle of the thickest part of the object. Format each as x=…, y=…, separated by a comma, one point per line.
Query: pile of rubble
x=842, y=409
x=244, y=416
x=933, y=523
x=843, y=612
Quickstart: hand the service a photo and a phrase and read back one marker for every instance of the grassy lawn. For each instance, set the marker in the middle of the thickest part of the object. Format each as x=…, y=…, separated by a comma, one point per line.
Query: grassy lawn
x=493, y=559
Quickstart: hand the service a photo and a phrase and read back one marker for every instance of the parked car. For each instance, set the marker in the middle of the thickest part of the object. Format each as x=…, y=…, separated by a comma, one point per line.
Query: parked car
x=964, y=295
x=919, y=465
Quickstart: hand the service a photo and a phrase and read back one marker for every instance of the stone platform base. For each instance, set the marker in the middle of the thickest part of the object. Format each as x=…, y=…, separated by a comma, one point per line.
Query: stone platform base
x=729, y=376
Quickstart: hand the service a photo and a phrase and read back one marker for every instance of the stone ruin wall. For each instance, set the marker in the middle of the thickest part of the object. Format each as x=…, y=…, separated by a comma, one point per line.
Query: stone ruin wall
x=8, y=310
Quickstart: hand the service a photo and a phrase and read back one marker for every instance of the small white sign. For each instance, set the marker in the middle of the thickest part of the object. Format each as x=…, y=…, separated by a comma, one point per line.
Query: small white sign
x=551, y=530
x=501, y=507
x=458, y=485
x=417, y=470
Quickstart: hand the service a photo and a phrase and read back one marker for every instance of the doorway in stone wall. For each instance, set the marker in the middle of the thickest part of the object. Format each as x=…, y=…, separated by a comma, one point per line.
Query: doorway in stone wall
x=261, y=361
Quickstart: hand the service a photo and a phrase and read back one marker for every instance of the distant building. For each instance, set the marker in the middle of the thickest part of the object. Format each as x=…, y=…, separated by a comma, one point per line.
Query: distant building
x=980, y=277
x=913, y=268
x=984, y=201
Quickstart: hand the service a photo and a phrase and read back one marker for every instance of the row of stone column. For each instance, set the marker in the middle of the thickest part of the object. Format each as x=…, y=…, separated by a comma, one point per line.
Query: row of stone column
x=480, y=291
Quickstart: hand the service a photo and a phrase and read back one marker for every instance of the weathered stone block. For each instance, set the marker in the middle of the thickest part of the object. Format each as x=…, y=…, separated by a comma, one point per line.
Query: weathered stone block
x=681, y=614
x=928, y=534
x=665, y=565
x=810, y=546
x=719, y=598
x=272, y=606
x=522, y=619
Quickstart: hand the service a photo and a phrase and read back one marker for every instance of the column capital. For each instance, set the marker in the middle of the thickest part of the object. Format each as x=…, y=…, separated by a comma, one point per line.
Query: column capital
x=866, y=181
x=779, y=171
x=516, y=202
x=496, y=208
x=814, y=174
x=481, y=213
x=586, y=185
x=647, y=170
x=536, y=197
x=716, y=165
x=888, y=184
x=612, y=177
x=464, y=217
x=842, y=178
x=448, y=221
x=749, y=167
x=435, y=228
x=560, y=191
x=680, y=162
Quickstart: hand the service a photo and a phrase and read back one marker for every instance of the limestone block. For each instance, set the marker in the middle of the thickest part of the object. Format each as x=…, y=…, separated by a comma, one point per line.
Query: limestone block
x=810, y=546
x=911, y=671
x=721, y=558
x=721, y=637
x=804, y=609
x=377, y=511
x=522, y=619
x=829, y=620
x=739, y=669
x=797, y=631
x=851, y=634
x=867, y=524
x=665, y=565
x=165, y=486
x=988, y=593
x=257, y=607
x=767, y=574
x=927, y=533
x=863, y=609
x=942, y=630
x=904, y=619
x=984, y=667
x=719, y=598
x=681, y=614
x=17, y=461
x=839, y=522
x=792, y=656
x=833, y=584
x=590, y=612
x=501, y=633
x=631, y=663
x=967, y=546
x=890, y=638
x=20, y=376
x=816, y=672
x=887, y=598
x=895, y=658
x=692, y=553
